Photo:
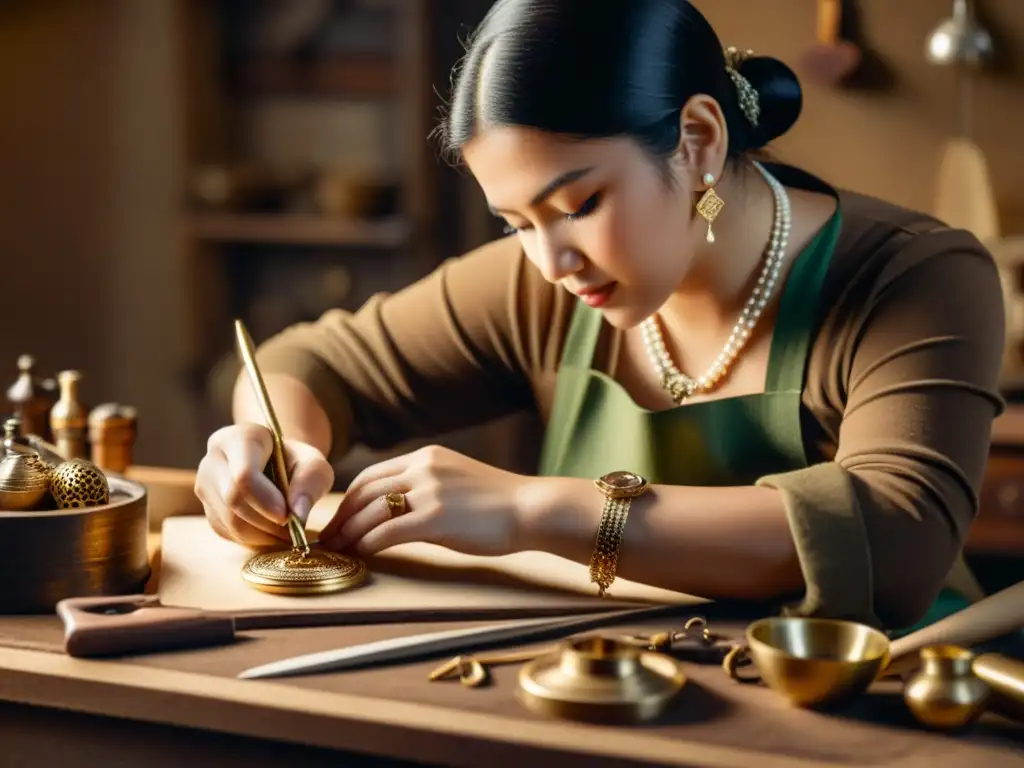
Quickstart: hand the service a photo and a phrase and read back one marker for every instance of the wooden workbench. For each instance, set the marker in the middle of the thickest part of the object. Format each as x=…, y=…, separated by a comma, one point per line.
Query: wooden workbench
x=188, y=707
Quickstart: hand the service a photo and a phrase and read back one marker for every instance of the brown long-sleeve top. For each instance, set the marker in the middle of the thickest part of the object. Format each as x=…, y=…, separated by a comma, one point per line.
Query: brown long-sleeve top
x=899, y=398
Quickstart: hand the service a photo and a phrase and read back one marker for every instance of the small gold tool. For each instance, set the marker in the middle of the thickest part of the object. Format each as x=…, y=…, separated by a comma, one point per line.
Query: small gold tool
x=302, y=570
x=471, y=670
x=670, y=640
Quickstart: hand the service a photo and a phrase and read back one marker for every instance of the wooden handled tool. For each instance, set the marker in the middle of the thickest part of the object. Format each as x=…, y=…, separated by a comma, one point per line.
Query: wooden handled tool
x=121, y=625
x=112, y=626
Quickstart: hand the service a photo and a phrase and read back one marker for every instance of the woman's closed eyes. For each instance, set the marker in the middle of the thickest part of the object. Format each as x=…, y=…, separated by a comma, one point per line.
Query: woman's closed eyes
x=589, y=206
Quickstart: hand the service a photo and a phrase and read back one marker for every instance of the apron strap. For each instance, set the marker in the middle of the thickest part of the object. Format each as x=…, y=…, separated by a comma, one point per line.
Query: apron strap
x=581, y=339
x=794, y=325
x=570, y=386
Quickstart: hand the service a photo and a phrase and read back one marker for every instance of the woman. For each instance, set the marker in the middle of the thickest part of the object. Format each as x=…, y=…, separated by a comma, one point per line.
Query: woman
x=794, y=385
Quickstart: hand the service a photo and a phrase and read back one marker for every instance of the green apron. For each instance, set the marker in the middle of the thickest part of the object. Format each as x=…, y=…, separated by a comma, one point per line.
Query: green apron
x=595, y=426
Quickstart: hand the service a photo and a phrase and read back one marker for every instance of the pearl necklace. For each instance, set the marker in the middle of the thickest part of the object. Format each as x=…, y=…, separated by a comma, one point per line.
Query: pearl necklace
x=679, y=385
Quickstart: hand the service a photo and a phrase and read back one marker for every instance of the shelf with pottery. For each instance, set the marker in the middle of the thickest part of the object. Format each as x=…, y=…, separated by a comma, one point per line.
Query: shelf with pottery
x=305, y=142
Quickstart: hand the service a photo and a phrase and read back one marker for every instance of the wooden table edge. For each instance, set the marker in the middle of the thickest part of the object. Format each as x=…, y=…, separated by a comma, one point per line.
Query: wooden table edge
x=382, y=727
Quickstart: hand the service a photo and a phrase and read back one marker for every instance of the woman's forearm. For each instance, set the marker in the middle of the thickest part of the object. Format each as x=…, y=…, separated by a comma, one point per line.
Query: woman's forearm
x=718, y=543
x=300, y=414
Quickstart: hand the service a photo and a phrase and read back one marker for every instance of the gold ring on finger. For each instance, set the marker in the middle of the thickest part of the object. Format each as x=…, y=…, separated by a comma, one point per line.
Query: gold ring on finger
x=395, y=503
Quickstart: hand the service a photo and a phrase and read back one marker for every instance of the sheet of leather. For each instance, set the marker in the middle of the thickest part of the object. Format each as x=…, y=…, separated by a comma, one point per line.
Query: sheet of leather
x=712, y=711
x=198, y=569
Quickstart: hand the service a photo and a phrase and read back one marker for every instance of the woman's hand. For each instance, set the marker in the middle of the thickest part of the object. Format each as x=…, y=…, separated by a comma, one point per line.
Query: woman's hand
x=450, y=500
x=243, y=504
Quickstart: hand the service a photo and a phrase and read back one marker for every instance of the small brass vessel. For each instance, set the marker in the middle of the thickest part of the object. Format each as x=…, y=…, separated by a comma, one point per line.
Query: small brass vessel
x=944, y=693
x=813, y=662
x=113, y=428
x=69, y=417
x=600, y=679
x=24, y=480
x=31, y=398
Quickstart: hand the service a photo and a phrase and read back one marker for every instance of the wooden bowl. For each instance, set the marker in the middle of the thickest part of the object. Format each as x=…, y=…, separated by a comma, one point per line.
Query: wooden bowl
x=49, y=555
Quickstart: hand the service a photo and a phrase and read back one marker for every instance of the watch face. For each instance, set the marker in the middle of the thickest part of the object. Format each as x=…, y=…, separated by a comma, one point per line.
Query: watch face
x=622, y=484
x=622, y=481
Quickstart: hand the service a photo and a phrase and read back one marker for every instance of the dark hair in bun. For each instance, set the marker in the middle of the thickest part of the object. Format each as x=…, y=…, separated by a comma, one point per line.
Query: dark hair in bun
x=780, y=97
x=599, y=69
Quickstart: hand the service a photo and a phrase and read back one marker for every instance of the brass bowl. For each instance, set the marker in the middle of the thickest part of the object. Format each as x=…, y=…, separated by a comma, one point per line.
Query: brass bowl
x=47, y=555
x=814, y=662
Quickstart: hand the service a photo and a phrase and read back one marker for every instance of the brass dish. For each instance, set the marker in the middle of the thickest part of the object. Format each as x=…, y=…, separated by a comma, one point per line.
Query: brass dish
x=600, y=679
x=52, y=554
x=813, y=662
x=24, y=480
x=944, y=693
x=292, y=572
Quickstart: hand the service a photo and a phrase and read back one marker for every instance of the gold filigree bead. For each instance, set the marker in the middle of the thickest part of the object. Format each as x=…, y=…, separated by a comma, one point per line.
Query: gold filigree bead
x=79, y=483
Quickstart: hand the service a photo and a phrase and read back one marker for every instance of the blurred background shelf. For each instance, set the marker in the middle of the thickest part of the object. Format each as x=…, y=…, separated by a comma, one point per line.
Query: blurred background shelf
x=297, y=229
x=336, y=76
x=309, y=181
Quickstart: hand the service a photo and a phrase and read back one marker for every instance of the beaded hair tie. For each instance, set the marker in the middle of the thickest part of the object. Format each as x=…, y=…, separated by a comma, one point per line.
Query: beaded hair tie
x=750, y=103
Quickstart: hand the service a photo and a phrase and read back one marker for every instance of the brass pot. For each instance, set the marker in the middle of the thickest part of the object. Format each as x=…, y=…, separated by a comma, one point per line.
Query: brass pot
x=944, y=693
x=47, y=555
x=24, y=480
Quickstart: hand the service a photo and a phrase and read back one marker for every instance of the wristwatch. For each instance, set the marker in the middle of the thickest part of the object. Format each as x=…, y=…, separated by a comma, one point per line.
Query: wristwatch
x=619, y=489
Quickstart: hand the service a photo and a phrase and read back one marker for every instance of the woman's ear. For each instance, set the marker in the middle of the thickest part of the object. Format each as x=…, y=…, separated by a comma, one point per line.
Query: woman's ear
x=703, y=141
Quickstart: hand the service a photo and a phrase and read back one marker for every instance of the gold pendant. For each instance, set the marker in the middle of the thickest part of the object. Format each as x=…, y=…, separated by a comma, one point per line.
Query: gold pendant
x=679, y=388
x=709, y=206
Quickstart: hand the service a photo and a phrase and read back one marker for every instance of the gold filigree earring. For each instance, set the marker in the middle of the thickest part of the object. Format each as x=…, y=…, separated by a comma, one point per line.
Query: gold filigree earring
x=710, y=205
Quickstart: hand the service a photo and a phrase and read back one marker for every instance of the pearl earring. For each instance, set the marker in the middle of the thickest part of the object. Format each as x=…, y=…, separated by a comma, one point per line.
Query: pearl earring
x=710, y=205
